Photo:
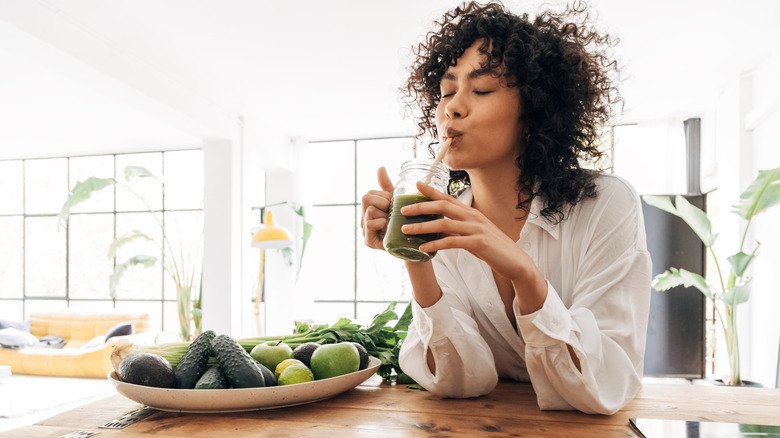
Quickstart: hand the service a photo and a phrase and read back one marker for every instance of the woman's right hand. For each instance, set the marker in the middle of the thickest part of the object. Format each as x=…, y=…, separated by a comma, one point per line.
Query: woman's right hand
x=376, y=211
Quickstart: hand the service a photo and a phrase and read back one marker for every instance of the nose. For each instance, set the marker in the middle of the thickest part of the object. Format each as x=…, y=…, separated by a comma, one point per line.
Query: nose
x=455, y=108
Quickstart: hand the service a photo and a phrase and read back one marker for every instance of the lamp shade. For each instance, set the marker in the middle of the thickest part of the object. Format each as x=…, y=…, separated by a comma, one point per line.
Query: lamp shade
x=271, y=236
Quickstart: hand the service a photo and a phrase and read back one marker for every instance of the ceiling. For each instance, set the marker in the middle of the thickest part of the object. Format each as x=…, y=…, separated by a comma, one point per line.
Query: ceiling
x=85, y=76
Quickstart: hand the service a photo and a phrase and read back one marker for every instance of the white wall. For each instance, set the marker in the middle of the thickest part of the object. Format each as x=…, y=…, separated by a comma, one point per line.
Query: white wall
x=740, y=152
x=763, y=152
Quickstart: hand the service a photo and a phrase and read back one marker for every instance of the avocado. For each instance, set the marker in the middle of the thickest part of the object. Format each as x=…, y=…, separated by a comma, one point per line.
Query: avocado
x=195, y=360
x=238, y=366
x=147, y=369
x=303, y=352
x=363, y=355
x=213, y=379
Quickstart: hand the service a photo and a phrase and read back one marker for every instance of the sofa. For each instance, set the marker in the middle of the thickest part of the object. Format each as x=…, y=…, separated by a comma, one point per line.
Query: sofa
x=89, y=339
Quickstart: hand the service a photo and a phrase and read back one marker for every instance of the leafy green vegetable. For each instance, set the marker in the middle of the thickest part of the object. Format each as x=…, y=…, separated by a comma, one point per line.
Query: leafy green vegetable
x=378, y=338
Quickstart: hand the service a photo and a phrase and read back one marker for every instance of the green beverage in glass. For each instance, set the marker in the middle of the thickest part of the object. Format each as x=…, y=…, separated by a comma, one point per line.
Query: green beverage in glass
x=397, y=243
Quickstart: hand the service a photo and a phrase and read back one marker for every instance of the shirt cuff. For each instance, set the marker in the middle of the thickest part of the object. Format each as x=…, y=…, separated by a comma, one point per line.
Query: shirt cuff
x=549, y=325
x=434, y=322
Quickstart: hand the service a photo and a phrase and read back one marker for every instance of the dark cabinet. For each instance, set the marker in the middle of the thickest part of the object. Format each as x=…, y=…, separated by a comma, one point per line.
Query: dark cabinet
x=676, y=333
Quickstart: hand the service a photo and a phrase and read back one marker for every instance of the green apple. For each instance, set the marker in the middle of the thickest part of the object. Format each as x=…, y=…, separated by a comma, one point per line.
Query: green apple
x=331, y=360
x=271, y=353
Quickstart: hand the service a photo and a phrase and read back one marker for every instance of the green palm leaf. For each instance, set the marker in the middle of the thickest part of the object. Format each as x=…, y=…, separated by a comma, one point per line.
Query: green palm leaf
x=762, y=193
x=137, y=171
x=736, y=295
x=662, y=202
x=692, y=215
x=124, y=239
x=680, y=277
x=119, y=270
x=81, y=192
x=739, y=263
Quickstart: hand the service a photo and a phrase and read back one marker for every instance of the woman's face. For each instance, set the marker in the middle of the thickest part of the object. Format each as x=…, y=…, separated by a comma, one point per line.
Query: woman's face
x=480, y=113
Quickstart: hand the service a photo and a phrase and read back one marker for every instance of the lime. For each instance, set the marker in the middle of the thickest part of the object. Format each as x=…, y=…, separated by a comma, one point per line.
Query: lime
x=284, y=364
x=295, y=373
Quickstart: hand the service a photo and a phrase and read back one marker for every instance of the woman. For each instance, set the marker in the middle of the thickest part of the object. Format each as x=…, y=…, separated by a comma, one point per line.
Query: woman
x=542, y=272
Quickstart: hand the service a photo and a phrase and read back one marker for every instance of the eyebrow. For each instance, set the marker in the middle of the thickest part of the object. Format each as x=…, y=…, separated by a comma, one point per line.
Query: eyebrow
x=473, y=74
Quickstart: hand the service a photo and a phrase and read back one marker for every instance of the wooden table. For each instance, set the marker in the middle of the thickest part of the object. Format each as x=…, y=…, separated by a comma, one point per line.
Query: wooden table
x=374, y=409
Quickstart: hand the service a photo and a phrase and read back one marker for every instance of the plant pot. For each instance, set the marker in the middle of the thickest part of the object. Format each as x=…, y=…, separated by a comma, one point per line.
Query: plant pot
x=745, y=384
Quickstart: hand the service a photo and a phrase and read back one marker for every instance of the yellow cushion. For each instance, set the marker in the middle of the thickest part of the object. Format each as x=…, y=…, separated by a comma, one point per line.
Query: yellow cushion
x=76, y=328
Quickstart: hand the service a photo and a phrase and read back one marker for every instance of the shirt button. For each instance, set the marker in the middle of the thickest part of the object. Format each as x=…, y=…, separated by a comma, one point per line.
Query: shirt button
x=527, y=246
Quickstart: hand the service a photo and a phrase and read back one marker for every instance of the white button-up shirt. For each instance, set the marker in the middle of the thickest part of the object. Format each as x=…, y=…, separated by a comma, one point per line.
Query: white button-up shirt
x=598, y=278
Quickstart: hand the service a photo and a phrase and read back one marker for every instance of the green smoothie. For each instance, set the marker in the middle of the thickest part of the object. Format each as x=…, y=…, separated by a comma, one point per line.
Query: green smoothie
x=405, y=246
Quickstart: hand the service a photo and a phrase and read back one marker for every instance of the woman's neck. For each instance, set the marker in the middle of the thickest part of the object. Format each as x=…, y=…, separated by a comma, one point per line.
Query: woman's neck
x=495, y=195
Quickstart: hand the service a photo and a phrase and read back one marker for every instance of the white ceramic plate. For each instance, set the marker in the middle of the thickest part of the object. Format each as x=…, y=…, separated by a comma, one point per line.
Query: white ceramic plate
x=242, y=399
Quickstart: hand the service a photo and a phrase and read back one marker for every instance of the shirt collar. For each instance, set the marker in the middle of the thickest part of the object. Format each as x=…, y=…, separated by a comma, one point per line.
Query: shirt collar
x=534, y=215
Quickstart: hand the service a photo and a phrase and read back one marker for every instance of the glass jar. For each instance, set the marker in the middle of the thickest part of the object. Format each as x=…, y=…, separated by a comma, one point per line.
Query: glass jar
x=406, y=246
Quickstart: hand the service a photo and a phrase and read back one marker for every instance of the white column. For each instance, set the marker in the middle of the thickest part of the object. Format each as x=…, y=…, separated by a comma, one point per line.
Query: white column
x=221, y=237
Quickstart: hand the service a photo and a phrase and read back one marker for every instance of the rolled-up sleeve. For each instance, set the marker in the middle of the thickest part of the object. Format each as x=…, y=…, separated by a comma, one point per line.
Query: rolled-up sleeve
x=605, y=323
x=464, y=363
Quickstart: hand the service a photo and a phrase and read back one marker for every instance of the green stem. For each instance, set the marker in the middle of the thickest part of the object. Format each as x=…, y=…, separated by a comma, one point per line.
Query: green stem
x=720, y=317
x=735, y=378
x=184, y=302
x=730, y=330
x=717, y=267
x=744, y=235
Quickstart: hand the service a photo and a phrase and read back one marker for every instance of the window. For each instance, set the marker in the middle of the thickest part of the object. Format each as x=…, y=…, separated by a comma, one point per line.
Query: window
x=47, y=267
x=346, y=278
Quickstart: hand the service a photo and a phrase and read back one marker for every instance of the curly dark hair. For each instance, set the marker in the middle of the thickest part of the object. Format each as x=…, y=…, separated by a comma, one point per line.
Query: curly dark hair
x=567, y=81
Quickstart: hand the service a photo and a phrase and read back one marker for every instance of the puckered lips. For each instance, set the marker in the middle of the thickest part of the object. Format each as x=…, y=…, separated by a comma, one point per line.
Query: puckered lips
x=454, y=134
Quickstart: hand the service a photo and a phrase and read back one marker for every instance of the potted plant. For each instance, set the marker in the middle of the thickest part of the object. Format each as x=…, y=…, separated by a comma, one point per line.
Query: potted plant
x=184, y=267
x=733, y=290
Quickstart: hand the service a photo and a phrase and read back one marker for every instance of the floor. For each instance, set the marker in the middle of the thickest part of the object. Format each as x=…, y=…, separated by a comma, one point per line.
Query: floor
x=25, y=400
